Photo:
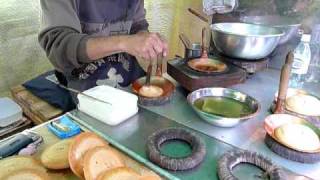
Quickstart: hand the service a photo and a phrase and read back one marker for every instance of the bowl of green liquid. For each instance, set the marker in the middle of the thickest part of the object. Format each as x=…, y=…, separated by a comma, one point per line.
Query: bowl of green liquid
x=222, y=106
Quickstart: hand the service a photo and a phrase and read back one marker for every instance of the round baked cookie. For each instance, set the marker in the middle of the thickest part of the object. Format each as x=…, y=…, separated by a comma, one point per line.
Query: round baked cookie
x=17, y=163
x=26, y=174
x=80, y=145
x=121, y=173
x=150, y=91
x=298, y=136
x=56, y=156
x=100, y=159
x=304, y=104
x=150, y=177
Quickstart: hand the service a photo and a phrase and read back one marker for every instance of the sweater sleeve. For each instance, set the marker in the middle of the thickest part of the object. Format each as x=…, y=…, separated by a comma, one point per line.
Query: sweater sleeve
x=61, y=36
x=139, y=19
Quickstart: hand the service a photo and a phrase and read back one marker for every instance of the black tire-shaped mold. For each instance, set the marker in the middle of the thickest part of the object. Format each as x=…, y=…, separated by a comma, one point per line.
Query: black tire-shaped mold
x=232, y=158
x=176, y=164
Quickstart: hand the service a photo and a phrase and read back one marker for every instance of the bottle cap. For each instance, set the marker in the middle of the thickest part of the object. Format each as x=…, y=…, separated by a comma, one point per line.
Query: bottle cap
x=306, y=38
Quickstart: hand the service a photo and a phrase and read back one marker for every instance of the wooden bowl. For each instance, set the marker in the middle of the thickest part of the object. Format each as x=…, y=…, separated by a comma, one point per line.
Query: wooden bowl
x=166, y=85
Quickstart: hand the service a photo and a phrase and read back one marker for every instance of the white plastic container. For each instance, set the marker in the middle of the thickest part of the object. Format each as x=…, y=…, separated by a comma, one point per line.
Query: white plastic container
x=123, y=104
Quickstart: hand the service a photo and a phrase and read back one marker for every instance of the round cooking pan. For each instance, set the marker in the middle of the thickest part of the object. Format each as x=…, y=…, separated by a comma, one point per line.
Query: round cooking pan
x=204, y=63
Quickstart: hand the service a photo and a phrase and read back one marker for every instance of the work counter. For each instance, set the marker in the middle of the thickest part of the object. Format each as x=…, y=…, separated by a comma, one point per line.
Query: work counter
x=131, y=135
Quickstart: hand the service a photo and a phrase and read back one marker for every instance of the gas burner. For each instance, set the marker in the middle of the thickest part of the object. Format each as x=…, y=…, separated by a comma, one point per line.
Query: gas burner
x=251, y=66
x=193, y=80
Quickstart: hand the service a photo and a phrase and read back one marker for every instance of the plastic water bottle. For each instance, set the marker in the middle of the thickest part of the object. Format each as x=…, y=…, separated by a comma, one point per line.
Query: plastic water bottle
x=301, y=61
x=314, y=67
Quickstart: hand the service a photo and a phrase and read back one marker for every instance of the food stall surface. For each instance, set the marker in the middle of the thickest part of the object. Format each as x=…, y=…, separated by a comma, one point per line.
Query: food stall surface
x=249, y=134
x=131, y=135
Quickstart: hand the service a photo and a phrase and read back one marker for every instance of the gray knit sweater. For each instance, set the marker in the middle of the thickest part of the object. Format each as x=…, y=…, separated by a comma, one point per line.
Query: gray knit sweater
x=68, y=24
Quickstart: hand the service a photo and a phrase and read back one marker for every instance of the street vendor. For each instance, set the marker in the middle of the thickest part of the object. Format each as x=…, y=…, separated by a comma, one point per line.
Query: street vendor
x=91, y=42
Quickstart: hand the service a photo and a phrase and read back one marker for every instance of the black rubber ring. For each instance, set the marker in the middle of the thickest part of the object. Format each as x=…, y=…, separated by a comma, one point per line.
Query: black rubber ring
x=232, y=158
x=175, y=164
x=291, y=154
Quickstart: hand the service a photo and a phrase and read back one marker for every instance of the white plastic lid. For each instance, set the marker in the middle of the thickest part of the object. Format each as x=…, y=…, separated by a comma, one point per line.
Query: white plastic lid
x=10, y=112
x=306, y=38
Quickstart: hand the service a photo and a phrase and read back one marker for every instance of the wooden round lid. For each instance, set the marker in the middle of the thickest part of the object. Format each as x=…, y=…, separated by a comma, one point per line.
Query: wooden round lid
x=56, y=156
x=17, y=163
x=80, y=145
x=27, y=174
x=100, y=159
x=121, y=173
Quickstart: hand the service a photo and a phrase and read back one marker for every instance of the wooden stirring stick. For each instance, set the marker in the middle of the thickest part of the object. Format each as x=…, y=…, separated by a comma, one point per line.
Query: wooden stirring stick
x=283, y=86
x=185, y=40
x=149, y=71
x=159, y=65
x=204, y=19
x=204, y=43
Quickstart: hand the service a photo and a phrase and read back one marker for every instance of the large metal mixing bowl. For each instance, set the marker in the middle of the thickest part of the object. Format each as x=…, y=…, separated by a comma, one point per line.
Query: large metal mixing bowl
x=218, y=120
x=245, y=41
x=289, y=25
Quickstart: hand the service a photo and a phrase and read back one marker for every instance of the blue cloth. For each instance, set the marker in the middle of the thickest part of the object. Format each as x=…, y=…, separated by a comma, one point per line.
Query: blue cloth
x=50, y=92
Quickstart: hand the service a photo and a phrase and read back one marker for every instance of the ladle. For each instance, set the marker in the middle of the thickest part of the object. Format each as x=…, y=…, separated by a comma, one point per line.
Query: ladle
x=204, y=63
x=185, y=40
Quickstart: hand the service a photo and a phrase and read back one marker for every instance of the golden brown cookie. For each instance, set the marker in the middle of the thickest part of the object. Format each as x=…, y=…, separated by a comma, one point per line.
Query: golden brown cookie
x=150, y=177
x=121, y=173
x=298, y=136
x=100, y=159
x=80, y=145
x=27, y=174
x=56, y=156
x=17, y=163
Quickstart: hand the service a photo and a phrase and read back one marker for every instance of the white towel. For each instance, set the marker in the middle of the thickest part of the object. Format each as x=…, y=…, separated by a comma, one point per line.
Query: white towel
x=211, y=7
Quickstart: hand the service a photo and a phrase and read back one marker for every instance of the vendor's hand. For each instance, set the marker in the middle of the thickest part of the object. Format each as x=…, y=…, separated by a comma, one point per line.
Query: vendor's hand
x=146, y=45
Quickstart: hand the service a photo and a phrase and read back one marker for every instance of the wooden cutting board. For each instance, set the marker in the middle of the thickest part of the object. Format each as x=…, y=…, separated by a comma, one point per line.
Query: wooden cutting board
x=37, y=110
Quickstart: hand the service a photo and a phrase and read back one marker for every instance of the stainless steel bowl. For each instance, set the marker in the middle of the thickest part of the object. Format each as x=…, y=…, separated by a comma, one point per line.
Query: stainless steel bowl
x=245, y=41
x=289, y=25
x=223, y=92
